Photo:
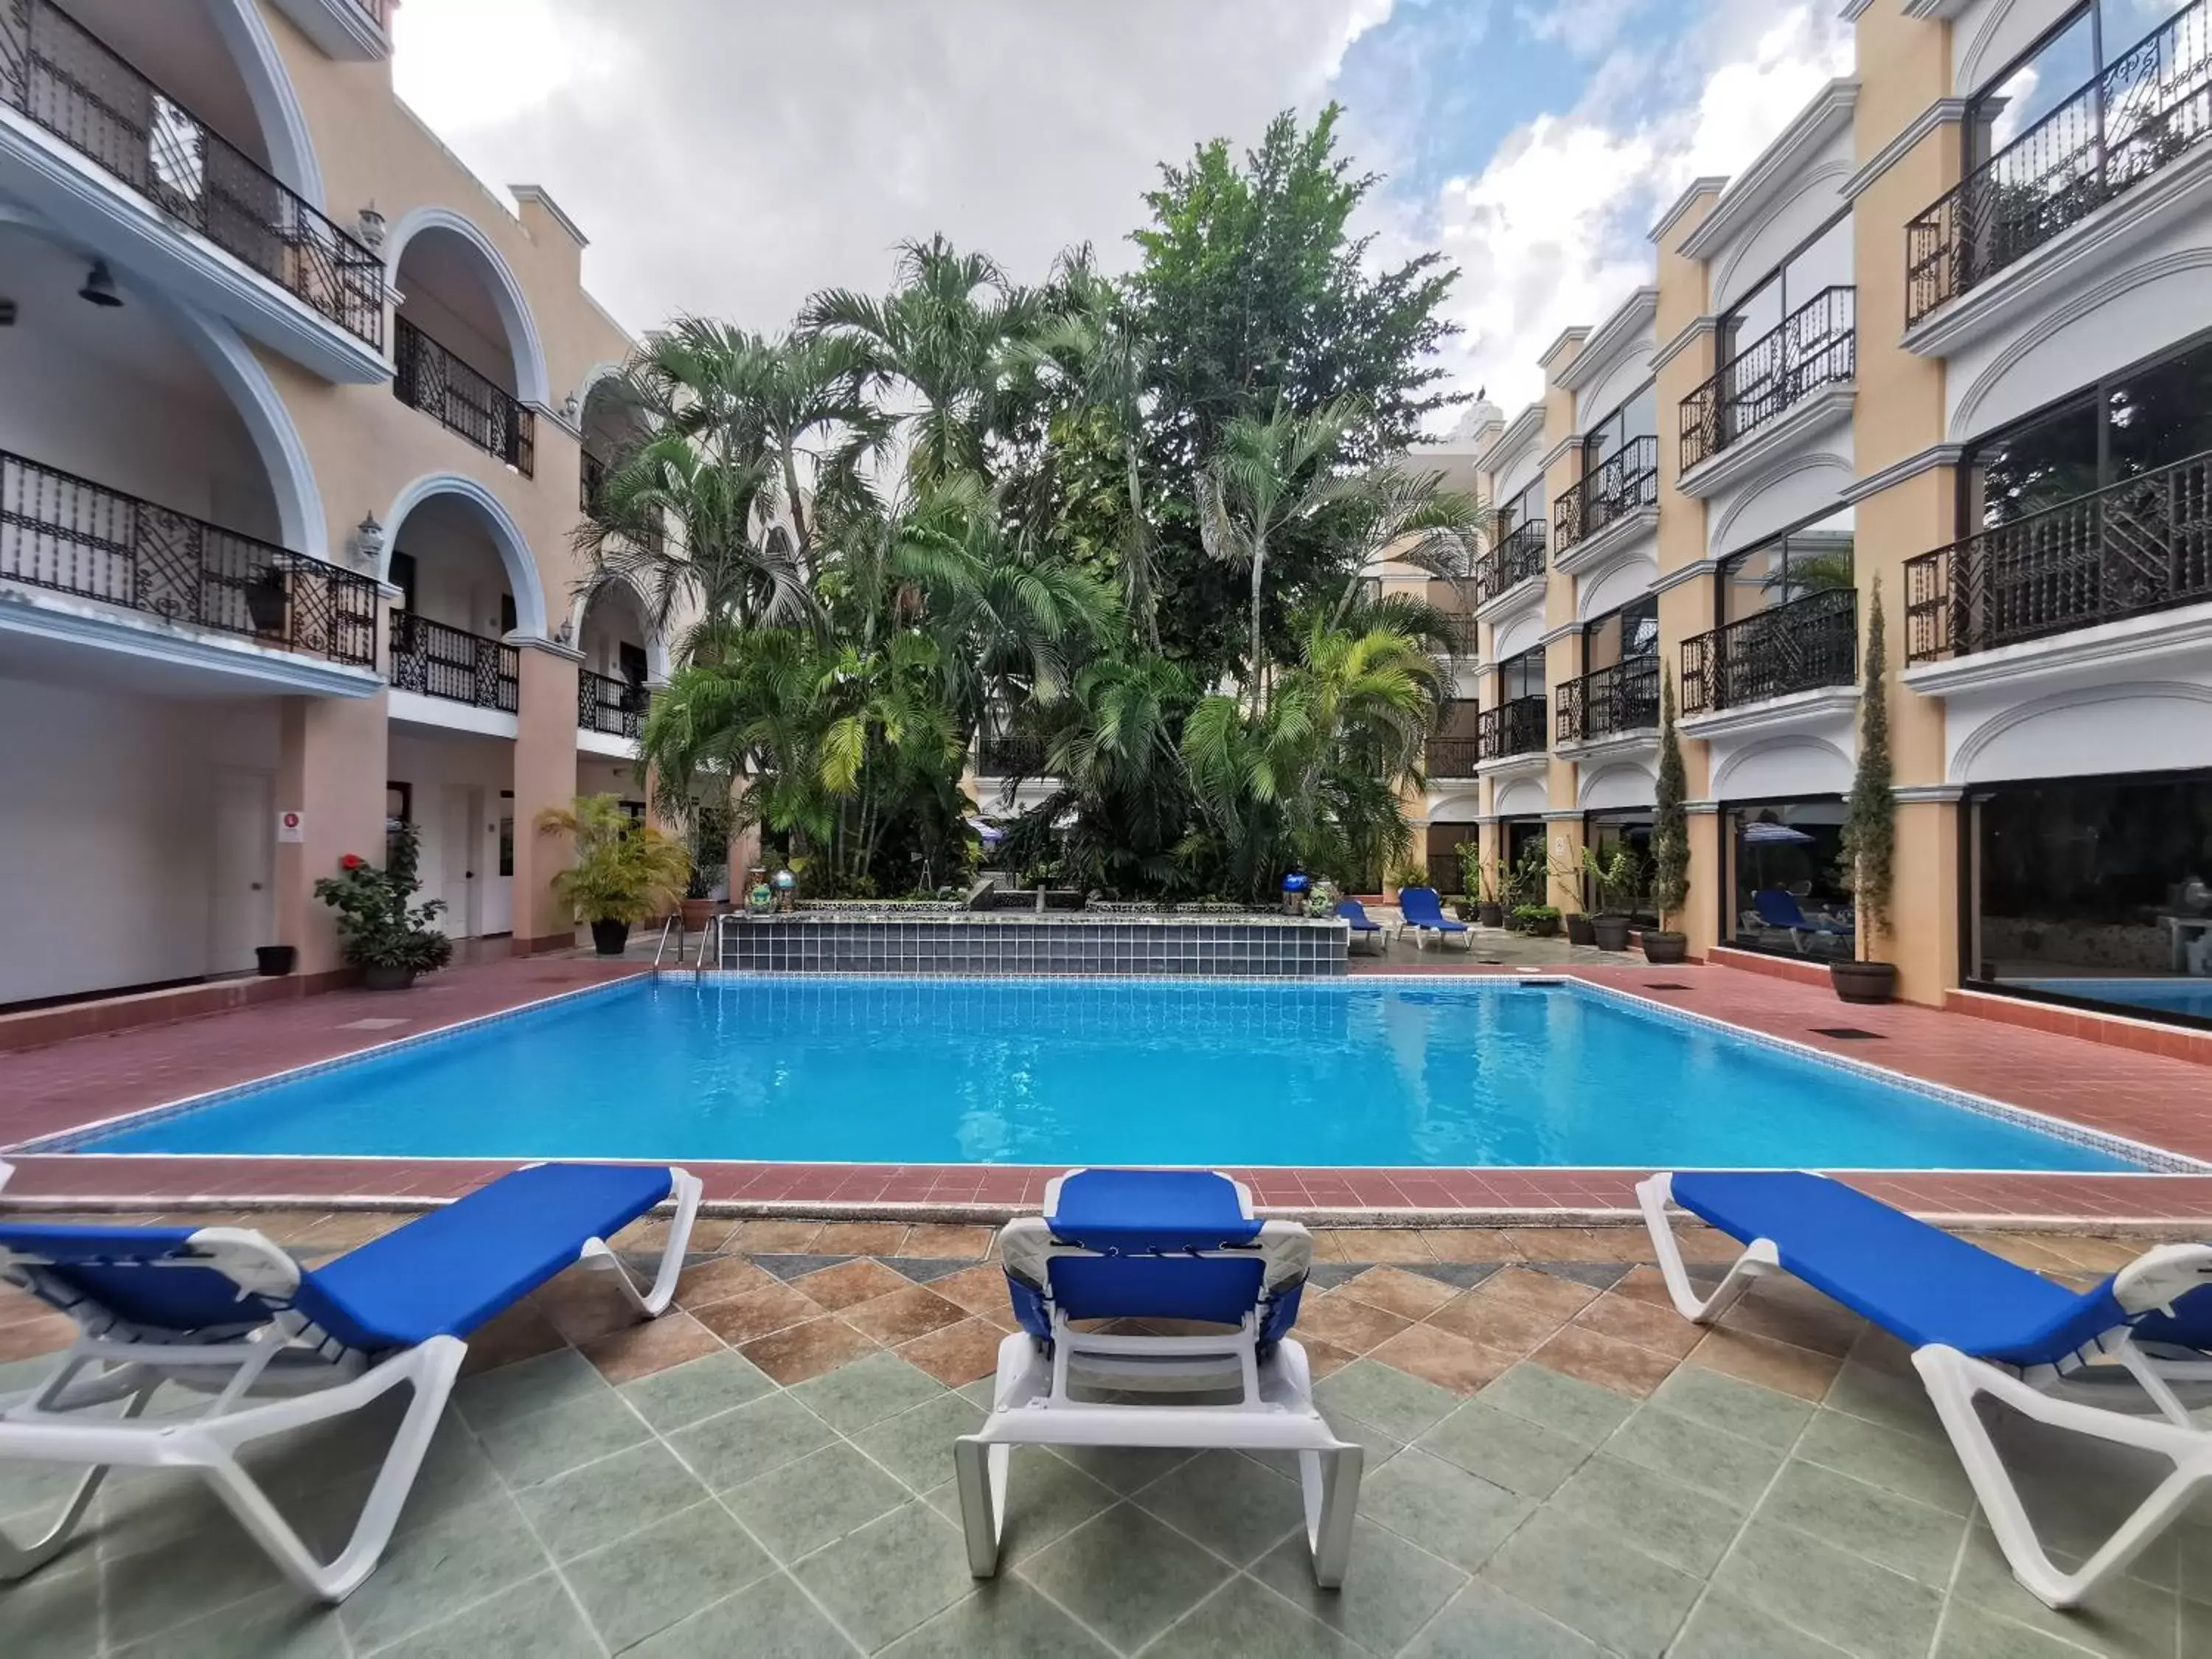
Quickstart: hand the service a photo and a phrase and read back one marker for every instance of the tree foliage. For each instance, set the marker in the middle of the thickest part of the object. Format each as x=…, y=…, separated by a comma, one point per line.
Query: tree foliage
x=1869, y=837
x=1670, y=818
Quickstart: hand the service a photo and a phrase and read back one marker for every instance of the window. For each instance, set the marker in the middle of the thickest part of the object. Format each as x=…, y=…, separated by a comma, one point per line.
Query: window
x=1631, y=632
x=1521, y=676
x=507, y=832
x=1823, y=262
x=2146, y=418
x=1810, y=559
x=632, y=659
x=2052, y=72
x=1526, y=508
x=506, y=614
x=403, y=578
x=399, y=809
x=1787, y=892
x=1637, y=417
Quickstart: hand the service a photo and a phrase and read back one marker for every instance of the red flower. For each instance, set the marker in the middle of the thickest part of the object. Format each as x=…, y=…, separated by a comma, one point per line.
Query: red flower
x=351, y=861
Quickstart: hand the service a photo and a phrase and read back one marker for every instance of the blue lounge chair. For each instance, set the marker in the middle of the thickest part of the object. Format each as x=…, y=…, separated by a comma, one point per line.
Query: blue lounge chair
x=1778, y=907
x=1979, y=1325
x=1425, y=913
x=1363, y=925
x=223, y=1311
x=1155, y=1245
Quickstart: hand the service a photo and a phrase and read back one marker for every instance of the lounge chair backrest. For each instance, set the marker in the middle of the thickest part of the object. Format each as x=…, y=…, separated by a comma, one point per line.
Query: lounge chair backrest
x=1420, y=904
x=162, y=1284
x=1356, y=913
x=1777, y=909
x=1136, y=1244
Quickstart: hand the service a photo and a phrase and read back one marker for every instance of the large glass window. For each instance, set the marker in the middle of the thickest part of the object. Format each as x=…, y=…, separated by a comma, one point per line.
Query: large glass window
x=1521, y=676
x=2096, y=890
x=1526, y=508
x=1787, y=891
x=1810, y=559
x=1630, y=631
x=1603, y=832
x=2059, y=66
x=1636, y=418
x=1825, y=262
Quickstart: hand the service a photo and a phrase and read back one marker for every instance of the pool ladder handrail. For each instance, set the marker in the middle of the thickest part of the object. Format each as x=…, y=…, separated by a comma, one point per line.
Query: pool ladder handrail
x=710, y=934
x=676, y=920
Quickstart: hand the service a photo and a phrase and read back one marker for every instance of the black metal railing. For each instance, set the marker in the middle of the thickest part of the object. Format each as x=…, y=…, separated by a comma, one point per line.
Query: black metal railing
x=1512, y=728
x=72, y=535
x=1625, y=481
x=72, y=84
x=1010, y=754
x=2142, y=544
x=2153, y=102
x=428, y=377
x=608, y=703
x=440, y=661
x=1518, y=555
x=1452, y=757
x=1813, y=346
x=1606, y=701
x=1799, y=646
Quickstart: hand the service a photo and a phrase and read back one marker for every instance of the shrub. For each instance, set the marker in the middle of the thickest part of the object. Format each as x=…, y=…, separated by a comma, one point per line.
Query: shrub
x=624, y=871
x=377, y=927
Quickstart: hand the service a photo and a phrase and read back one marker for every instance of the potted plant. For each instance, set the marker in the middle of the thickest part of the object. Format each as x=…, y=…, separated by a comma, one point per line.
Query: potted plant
x=1405, y=874
x=1567, y=878
x=1869, y=839
x=1489, y=907
x=275, y=961
x=710, y=859
x=624, y=873
x=1537, y=920
x=379, y=933
x=1612, y=874
x=1670, y=836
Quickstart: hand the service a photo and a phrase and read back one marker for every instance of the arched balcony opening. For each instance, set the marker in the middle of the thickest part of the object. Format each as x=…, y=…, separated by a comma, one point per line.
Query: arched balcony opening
x=463, y=349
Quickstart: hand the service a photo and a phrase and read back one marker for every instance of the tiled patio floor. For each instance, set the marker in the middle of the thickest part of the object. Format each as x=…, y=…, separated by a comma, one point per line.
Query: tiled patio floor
x=1558, y=1465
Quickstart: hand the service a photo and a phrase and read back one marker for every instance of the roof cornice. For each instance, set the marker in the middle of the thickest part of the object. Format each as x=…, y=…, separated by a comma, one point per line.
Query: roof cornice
x=1942, y=113
x=1710, y=184
x=1523, y=430
x=1568, y=336
x=1758, y=185
x=1612, y=339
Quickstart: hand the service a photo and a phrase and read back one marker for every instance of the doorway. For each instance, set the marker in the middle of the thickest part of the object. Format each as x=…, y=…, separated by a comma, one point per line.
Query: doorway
x=459, y=844
x=241, y=903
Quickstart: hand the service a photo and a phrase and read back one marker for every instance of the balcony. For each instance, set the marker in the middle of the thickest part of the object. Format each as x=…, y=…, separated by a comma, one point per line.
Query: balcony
x=2152, y=104
x=610, y=706
x=1452, y=757
x=1512, y=728
x=449, y=663
x=1815, y=345
x=429, y=378
x=1010, y=754
x=1609, y=702
x=68, y=535
x=1803, y=646
x=592, y=474
x=1627, y=480
x=67, y=83
x=2143, y=544
x=1518, y=555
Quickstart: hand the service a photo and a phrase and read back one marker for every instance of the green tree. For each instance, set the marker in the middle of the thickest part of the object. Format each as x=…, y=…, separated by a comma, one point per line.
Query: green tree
x=1671, y=818
x=1869, y=837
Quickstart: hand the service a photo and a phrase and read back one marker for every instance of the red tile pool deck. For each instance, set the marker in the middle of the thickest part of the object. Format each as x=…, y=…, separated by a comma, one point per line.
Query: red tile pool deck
x=2162, y=1100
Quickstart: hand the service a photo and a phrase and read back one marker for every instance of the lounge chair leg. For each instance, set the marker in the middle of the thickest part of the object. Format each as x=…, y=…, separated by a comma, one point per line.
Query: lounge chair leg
x=1652, y=1196
x=980, y=1468
x=1952, y=1380
x=1331, y=1484
x=653, y=1302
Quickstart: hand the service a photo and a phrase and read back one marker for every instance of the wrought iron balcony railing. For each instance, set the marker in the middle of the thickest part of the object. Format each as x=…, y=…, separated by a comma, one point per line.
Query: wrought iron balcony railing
x=1815, y=345
x=428, y=377
x=608, y=704
x=1512, y=728
x=1606, y=701
x=2153, y=102
x=439, y=661
x=1625, y=480
x=71, y=536
x=72, y=84
x=1518, y=555
x=1010, y=754
x=2144, y=543
x=1799, y=646
x=1452, y=757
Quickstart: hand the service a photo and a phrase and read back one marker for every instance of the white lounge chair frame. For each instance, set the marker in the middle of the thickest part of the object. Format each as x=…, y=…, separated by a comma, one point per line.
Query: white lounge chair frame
x=2152, y=1281
x=1031, y=1405
x=313, y=1379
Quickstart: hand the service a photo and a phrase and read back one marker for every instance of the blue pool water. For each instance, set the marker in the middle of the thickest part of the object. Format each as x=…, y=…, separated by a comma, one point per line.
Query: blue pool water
x=981, y=1071
x=2165, y=996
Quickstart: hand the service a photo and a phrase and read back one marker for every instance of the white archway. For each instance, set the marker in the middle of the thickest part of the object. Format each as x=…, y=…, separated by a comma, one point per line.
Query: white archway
x=531, y=386
x=656, y=649
x=515, y=556
x=276, y=106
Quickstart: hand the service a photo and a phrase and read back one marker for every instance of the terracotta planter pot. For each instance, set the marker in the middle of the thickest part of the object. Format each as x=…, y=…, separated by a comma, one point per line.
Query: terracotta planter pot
x=1490, y=915
x=1580, y=930
x=1663, y=947
x=1863, y=982
x=1612, y=932
x=387, y=979
x=696, y=914
x=611, y=939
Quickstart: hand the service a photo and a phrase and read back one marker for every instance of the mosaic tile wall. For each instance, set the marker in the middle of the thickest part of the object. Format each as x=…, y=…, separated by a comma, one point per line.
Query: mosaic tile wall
x=1260, y=949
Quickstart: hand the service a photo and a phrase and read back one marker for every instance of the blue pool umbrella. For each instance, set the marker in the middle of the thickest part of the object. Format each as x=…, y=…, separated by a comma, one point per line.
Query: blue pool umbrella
x=990, y=833
x=1763, y=834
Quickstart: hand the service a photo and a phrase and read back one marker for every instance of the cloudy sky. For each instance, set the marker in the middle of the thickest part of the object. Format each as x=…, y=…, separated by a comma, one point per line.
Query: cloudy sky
x=731, y=156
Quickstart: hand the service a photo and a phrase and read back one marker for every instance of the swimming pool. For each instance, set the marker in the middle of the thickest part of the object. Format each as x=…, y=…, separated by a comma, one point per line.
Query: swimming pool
x=1364, y=1073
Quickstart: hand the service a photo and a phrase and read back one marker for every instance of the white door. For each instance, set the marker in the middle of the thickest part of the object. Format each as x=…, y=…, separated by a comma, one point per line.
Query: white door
x=459, y=845
x=242, y=906
x=495, y=872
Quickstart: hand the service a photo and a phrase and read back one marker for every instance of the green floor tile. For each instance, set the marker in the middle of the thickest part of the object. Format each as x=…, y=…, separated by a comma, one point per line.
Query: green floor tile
x=1484, y=1623
x=1504, y=1449
x=1899, y=1403
x=53, y=1615
x=773, y=1619
x=866, y=1391
x=746, y=1442
x=282, y=1625
x=882, y=1581
x=1242, y=1618
x=1124, y=1468
x=1389, y=1593
x=1902, y=1463
x=1844, y=1599
x=534, y=1619
x=1125, y=1575
x=698, y=1389
x=1402, y=1406
x=1004, y=1619
x=916, y=1445
x=1730, y=1467
x=562, y=1436
x=1441, y=1508
x=611, y=1499
x=664, y=1573
x=1594, y=1583
x=1230, y=1504
x=1566, y=1404
x=2126, y=1616
x=1970, y=1633
x=1911, y=1537
x=1744, y=1409
x=180, y=1579
x=1721, y=1627
x=797, y=1509
x=1683, y=1527
x=1046, y=1498
x=527, y=1386
x=433, y=1571
x=1380, y=1448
